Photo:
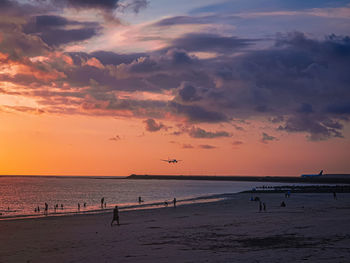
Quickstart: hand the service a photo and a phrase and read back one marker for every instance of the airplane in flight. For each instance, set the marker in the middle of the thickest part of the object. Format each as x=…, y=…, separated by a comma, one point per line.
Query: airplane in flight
x=171, y=161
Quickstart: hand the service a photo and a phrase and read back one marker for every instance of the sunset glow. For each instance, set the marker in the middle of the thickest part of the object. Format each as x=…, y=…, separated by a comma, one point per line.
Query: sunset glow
x=110, y=88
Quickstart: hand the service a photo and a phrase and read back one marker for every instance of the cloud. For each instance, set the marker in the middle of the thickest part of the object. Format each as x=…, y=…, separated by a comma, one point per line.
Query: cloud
x=115, y=138
x=206, y=146
x=318, y=127
x=187, y=146
x=266, y=138
x=188, y=93
x=202, y=42
x=56, y=30
x=153, y=126
x=237, y=143
x=200, y=133
x=299, y=84
x=196, y=113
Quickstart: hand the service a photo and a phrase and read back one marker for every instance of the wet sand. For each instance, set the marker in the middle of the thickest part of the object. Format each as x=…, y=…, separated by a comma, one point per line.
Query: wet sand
x=312, y=227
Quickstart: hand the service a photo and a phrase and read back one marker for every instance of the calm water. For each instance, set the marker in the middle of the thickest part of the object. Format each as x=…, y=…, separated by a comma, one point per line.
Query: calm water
x=22, y=194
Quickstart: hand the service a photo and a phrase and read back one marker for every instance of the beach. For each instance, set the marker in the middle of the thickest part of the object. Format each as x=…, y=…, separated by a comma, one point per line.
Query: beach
x=312, y=227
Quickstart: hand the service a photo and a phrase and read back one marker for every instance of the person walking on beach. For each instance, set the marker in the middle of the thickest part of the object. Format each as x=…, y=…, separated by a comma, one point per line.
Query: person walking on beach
x=78, y=206
x=264, y=205
x=260, y=206
x=102, y=201
x=335, y=195
x=140, y=200
x=61, y=206
x=115, y=215
x=174, y=202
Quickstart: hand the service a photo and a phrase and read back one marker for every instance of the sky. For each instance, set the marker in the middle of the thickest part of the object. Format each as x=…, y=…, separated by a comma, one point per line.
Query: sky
x=112, y=87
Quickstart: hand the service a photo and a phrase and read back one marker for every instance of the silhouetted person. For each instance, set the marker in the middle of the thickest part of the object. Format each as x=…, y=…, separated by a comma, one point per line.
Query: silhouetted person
x=283, y=204
x=260, y=206
x=115, y=215
x=174, y=202
x=140, y=200
x=46, y=208
x=62, y=206
x=35, y=210
x=84, y=204
x=78, y=206
x=165, y=203
x=335, y=195
x=102, y=201
x=38, y=209
x=264, y=205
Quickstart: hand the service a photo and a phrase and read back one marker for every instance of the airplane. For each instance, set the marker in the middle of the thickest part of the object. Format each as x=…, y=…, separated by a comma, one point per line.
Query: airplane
x=312, y=175
x=171, y=161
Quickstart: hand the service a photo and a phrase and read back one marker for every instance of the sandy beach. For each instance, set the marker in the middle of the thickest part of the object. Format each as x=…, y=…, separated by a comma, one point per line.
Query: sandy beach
x=312, y=227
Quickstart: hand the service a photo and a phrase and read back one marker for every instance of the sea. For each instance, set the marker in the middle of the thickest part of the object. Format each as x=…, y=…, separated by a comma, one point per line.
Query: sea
x=21, y=196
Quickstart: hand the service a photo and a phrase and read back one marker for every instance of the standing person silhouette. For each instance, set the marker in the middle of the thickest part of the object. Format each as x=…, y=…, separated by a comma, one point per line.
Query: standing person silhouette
x=46, y=209
x=174, y=202
x=102, y=201
x=115, y=215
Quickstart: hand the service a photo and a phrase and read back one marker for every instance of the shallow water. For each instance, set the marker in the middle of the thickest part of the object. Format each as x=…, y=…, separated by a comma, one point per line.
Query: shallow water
x=19, y=196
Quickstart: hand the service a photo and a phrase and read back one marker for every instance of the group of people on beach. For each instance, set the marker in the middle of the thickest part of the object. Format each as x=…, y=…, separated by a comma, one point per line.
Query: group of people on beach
x=103, y=205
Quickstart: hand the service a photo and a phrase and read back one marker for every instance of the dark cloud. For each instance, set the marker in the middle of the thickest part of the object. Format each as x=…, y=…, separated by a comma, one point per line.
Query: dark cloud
x=206, y=146
x=188, y=93
x=134, y=5
x=187, y=146
x=99, y=4
x=341, y=109
x=266, y=138
x=112, y=58
x=210, y=43
x=200, y=133
x=277, y=119
x=318, y=127
x=236, y=143
x=196, y=113
x=153, y=126
x=54, y=30
x=115, y=138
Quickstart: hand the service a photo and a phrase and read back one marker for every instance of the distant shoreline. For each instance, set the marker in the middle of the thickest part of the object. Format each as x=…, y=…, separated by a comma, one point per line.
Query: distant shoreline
x=325, y=179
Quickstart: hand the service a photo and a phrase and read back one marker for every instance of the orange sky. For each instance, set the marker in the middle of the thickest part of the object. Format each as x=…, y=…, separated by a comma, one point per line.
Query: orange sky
x=112, y=87
x=81, y=145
